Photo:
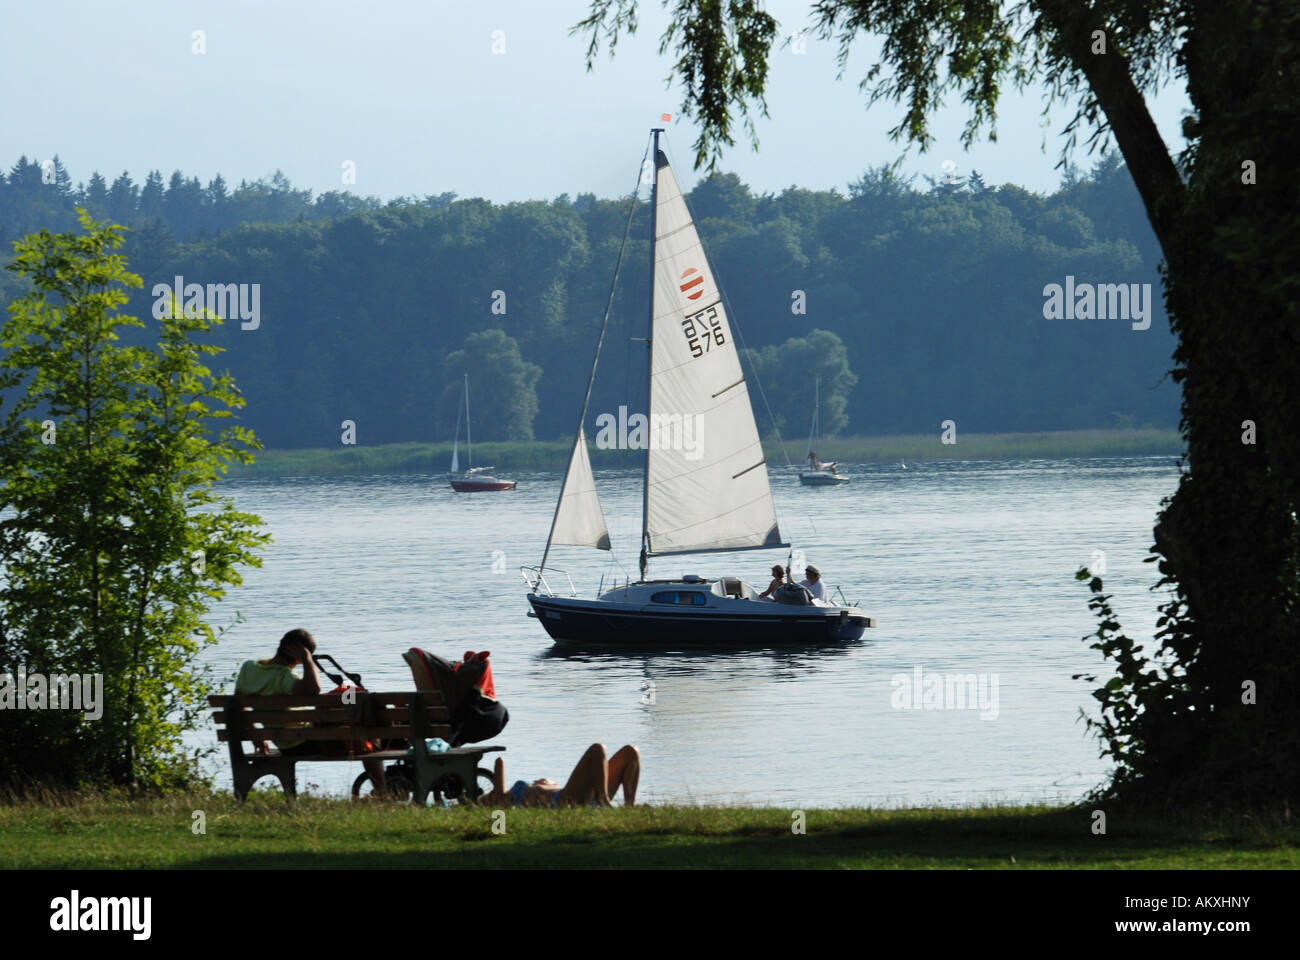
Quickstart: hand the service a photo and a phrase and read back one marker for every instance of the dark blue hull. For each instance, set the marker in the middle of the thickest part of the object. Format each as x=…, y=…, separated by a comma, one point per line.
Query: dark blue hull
x=597, y=624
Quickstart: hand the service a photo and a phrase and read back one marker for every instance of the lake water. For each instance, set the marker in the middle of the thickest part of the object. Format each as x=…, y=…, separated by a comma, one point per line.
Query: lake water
x=967, y=566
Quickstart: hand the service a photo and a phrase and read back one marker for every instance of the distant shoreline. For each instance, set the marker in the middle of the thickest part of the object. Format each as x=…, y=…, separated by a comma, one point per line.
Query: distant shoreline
x=435, y=458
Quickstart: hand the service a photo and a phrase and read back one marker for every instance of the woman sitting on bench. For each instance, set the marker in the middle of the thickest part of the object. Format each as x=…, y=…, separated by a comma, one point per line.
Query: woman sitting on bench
x=261, y=678
x=594, y=781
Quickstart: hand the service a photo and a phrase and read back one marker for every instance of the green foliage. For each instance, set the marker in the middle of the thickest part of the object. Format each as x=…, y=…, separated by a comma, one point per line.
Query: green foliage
x=434, y=458
x=1136, y=686
x=789, y=373
x=937, y=293
x=113, y=541
x=722, y=48
x=502, y=389
x=930, y=49
x=722, y=196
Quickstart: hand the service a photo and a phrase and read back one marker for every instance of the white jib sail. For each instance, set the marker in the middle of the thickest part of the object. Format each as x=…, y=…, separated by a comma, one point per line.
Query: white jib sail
x=708, y=487
x=455, y=444
x=579, y=520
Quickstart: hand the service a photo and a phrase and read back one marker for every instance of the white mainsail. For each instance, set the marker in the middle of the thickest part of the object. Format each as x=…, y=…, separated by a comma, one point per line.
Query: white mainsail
x=579, y=521
x=707, y=486
x=455, y=444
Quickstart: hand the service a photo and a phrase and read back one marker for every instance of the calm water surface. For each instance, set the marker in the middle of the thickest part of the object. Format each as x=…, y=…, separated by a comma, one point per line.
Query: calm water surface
x=968, y=567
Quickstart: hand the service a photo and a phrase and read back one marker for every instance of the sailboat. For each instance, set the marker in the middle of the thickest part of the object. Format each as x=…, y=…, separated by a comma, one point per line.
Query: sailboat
x=475, y=479
x=819, y=474
x=712, y=496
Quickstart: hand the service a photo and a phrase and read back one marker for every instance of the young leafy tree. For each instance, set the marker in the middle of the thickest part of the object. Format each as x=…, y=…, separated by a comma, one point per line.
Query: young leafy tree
x=114, y=541
x=1219, y=722
x=793, y=372
x=502, y=389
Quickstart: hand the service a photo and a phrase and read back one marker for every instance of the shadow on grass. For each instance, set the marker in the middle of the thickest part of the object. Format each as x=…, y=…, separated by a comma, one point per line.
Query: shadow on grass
x=1061, y=839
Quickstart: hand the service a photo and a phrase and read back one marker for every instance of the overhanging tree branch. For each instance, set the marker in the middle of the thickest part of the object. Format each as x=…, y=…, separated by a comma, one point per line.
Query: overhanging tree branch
x=1110, y=78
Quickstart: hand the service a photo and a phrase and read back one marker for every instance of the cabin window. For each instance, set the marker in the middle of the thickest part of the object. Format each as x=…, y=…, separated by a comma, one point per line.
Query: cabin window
x=689, y=597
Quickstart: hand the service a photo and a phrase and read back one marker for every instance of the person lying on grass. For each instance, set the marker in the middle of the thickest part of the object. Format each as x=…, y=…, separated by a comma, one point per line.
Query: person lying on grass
x=275, y=677
x=594, y=781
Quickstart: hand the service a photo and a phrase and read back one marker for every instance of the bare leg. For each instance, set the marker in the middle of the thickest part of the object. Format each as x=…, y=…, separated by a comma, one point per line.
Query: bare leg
x=625, y=769
x=498, y=794
x=590, y=779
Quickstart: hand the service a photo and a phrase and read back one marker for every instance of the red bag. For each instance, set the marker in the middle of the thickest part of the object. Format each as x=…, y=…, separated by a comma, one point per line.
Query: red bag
x=475, y=661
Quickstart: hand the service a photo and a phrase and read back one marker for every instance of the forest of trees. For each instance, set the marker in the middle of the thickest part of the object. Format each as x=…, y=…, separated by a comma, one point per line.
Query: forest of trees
x=915, y=303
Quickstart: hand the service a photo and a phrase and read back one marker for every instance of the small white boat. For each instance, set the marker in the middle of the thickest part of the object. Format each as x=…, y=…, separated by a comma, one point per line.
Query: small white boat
x=819, y=474
x=822, y=475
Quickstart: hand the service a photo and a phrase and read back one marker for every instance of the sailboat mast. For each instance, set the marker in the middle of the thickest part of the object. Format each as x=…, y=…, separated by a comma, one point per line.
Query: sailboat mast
x=817, y=407
x=469, y=439
x=650, y=348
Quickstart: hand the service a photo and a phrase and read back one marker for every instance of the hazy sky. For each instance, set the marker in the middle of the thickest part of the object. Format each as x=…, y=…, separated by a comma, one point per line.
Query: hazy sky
x=414, y=95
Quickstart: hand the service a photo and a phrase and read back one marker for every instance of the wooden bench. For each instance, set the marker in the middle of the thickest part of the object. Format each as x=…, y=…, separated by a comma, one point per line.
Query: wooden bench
x=401, y=719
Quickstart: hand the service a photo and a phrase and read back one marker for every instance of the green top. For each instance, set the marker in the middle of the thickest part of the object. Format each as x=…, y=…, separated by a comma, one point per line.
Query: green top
x=262, y=678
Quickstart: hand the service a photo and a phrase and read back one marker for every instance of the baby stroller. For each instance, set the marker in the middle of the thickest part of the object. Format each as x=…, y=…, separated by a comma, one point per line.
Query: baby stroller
x=475, y=715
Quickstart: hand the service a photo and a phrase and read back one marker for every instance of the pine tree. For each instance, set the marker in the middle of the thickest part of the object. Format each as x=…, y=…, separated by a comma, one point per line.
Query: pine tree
x=216, y=201
x=96, y=196
x=122, y=199
x=151, y=197
x=62, y=179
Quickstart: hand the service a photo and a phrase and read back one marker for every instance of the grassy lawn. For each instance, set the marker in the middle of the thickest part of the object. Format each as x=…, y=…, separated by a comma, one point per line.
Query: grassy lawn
x=554, y=455
x=93, y=831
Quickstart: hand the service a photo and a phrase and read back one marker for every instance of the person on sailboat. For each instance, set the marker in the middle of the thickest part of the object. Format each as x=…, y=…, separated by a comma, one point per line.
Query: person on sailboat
x=778, y=579
x=813, y=583
x=594, y=781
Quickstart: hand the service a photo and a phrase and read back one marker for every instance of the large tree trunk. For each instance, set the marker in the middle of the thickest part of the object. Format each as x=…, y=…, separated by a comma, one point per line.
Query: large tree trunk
x=1228, y=538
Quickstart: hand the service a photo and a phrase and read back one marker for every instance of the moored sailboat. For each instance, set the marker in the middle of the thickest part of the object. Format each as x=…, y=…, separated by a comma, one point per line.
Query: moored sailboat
x=474, y=479
x=819, y=473
x=705, y=497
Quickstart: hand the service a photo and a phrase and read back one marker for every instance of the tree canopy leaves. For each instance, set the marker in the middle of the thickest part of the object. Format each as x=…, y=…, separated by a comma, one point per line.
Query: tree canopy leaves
x=113, y=541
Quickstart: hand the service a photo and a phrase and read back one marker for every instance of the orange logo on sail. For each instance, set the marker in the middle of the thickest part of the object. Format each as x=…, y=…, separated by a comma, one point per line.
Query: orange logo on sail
x=692, y=278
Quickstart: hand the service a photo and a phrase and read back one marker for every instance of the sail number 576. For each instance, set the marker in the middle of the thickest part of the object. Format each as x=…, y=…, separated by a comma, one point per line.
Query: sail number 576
x=703, y=331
